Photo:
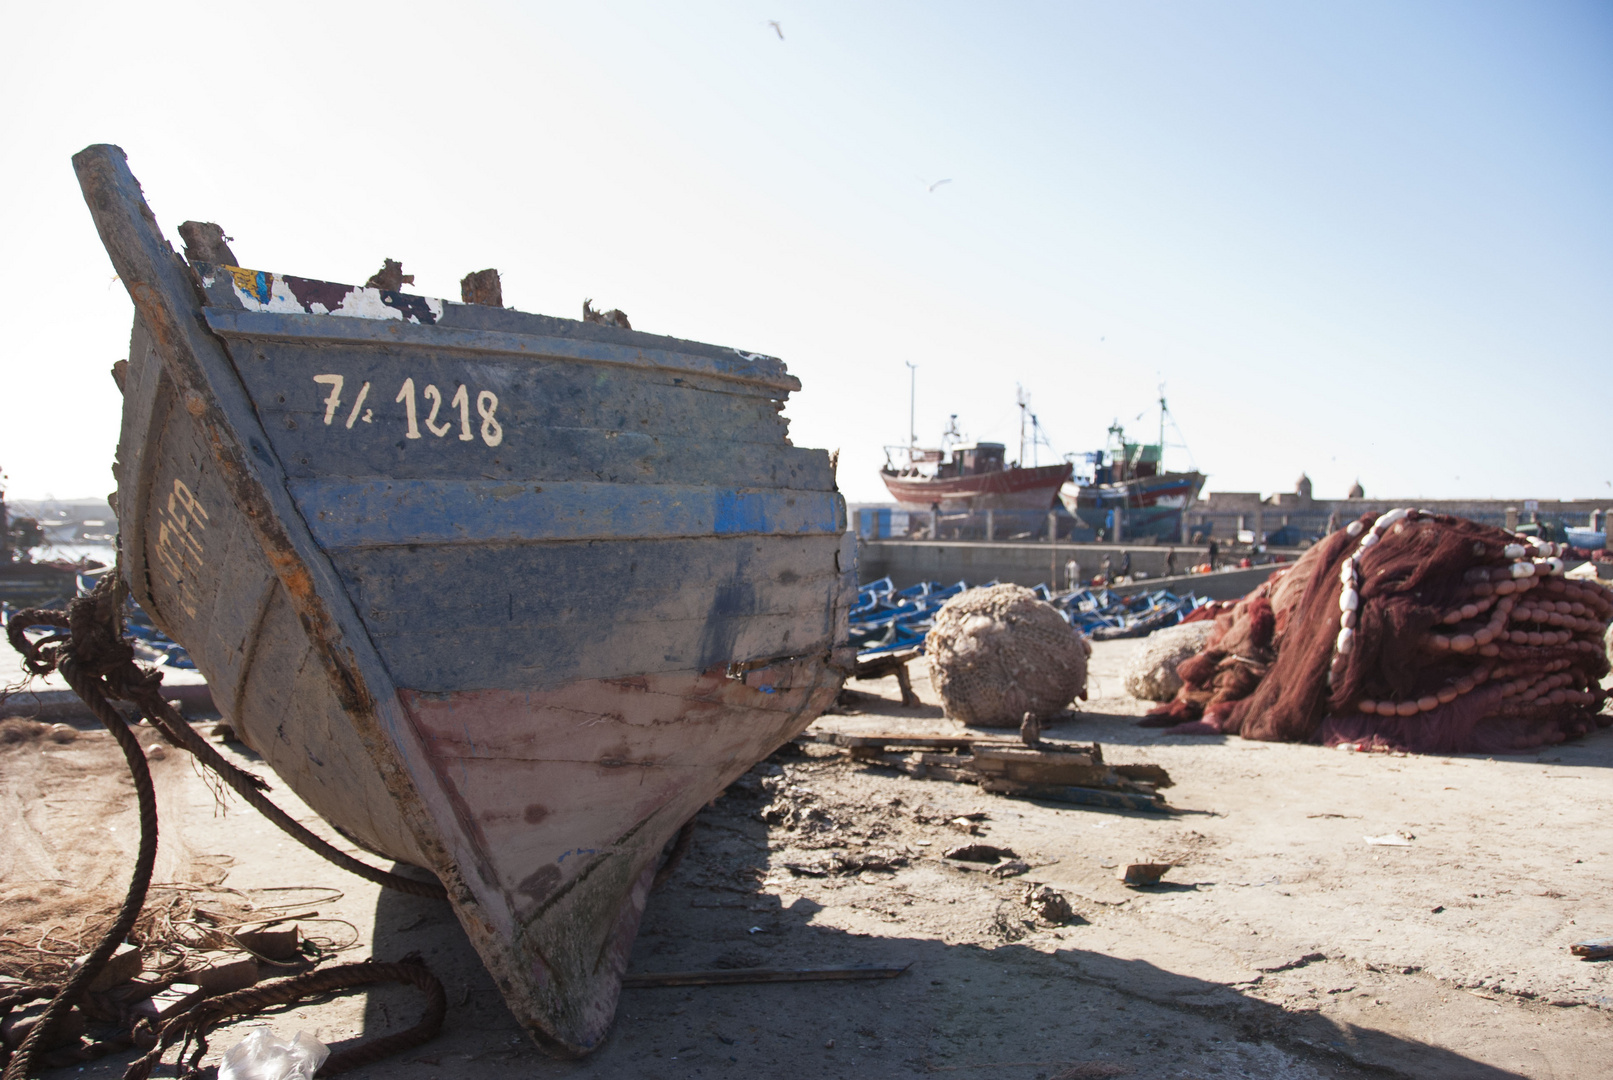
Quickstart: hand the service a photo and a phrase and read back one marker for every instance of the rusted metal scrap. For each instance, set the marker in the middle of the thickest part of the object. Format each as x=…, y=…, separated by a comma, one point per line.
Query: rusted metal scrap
x=1061, y=772
x=482, y=287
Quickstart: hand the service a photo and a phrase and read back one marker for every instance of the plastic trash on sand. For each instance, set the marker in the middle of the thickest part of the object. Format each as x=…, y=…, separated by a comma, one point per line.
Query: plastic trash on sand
x=263, y=1055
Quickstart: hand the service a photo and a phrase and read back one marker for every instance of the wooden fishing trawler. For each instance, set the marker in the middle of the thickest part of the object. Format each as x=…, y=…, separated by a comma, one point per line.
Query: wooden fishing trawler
x=503, y=596
x=973, y=476
x=1125, y=491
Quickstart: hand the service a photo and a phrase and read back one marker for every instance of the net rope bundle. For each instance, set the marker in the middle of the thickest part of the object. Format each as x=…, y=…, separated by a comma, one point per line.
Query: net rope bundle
x=1406, y=631
x=998, y=652
x=1151, y=673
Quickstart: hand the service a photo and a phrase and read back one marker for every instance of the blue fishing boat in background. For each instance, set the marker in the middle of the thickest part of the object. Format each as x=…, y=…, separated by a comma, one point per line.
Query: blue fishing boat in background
x=886, y=619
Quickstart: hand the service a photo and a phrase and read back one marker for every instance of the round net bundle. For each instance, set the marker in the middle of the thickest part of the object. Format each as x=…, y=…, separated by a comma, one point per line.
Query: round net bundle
x=997, y=653
x=1407, y=631
x=1151, y=672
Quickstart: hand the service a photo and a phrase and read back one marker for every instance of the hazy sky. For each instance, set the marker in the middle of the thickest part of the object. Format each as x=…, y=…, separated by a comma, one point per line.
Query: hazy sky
x=1355, y=239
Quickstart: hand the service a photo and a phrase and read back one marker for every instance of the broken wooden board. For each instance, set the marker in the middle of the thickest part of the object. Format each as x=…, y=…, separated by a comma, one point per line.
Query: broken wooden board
x=891, y=664
x=1029, y=766
x=1079, y=796
x=1071, y=773
x=961, y=741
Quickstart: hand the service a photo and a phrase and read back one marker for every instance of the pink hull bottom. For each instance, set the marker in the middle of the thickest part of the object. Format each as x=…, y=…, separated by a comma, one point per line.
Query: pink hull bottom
x=567, y=798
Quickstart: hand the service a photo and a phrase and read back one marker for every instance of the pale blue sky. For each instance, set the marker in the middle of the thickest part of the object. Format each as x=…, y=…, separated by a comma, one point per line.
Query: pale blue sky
x=1361, y=239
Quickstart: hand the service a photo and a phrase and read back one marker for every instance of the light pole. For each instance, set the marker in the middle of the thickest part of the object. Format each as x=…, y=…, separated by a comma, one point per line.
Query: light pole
x=912, y=403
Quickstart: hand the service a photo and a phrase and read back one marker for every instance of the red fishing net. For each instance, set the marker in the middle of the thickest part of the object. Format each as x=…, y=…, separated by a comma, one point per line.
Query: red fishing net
x=1406, y=631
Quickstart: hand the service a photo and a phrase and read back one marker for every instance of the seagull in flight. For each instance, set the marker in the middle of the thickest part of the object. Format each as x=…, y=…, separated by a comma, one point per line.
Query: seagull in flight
x=938, y=183
x=779, y=30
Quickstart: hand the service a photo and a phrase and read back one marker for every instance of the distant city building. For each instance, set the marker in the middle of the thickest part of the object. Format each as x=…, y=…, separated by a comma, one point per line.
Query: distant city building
x=1294, y=518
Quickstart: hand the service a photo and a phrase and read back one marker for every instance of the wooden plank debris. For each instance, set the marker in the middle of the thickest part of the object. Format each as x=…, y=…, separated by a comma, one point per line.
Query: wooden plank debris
x=1072, y=773
x=1079, y=796
x=123, y=965
x=745, y=976
x=221, y=972
x=891, y=664
x=175, y=999
x=281, y=946
x=1597, y=949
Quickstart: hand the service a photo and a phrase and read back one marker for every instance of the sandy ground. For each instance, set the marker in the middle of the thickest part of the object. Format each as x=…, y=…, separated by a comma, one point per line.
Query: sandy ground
x=1282, y=944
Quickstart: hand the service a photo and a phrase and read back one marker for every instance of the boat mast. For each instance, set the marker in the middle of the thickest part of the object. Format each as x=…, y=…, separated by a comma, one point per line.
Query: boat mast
x=1162, y=427
x=1019, y=395
x=912, y=406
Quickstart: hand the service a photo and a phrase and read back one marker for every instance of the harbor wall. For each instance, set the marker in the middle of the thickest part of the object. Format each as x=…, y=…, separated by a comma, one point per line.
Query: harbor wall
x=908, y=562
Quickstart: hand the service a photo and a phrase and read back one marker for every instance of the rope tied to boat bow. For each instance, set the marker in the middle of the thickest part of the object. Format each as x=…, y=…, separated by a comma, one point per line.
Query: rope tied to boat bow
x=98, y=663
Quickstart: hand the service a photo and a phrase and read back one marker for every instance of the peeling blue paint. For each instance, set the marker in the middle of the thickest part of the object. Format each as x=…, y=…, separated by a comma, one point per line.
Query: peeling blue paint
x=741, y=512
x=576, y=851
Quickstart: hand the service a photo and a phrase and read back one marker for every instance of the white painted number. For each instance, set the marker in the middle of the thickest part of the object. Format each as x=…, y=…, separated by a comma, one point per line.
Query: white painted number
x=486, y=407
x=462, y=403
x=179, y=544
x=335, y=398
x=357, y=405
x=406, y=395
x=434, y=396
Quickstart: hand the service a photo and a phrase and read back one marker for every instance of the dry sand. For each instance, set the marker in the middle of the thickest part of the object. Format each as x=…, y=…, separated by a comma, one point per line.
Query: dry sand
x=1282, y=944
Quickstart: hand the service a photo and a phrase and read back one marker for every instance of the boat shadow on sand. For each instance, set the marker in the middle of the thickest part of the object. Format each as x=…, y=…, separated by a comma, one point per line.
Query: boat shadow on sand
x=1027, y=1001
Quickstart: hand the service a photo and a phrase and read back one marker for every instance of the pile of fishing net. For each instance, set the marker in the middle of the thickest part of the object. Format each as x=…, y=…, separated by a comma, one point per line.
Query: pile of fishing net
x=1406, y=631
x=1151, y=672
x=997, y=653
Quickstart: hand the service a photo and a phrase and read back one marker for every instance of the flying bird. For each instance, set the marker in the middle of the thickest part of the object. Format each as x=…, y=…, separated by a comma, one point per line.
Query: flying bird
x=777, y=29
x=938, y=183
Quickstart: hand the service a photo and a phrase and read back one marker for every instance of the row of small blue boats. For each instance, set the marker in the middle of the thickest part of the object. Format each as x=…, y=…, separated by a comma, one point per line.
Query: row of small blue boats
x=151, y=645
x=887, y=619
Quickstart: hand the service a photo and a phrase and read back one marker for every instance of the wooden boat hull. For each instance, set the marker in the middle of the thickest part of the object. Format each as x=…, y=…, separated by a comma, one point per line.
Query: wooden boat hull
x=1152, y=505
x=1009, y=489
x=516, y=634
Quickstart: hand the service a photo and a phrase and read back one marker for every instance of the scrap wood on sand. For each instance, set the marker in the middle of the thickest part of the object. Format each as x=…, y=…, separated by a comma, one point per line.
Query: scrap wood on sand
x=1405, y=631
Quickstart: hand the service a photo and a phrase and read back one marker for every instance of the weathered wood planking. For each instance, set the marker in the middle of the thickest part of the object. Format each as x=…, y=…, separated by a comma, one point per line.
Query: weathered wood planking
x=542, y=400
x=536, y=614
x=375, y=513
x=505, y=595
x=202, y=575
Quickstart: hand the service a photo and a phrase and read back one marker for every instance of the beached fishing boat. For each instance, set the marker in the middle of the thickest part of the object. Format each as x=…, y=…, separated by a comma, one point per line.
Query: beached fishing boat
x=503, y=596
x=961, y=476
x=1125, y=492
x=975, y=478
